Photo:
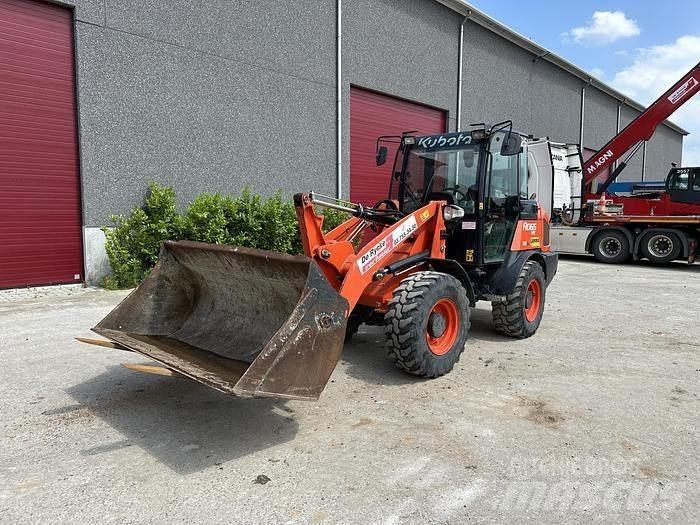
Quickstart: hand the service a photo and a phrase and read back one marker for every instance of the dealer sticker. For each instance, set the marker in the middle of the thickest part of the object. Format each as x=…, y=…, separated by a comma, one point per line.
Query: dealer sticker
x=683, y=90
x=384, y=246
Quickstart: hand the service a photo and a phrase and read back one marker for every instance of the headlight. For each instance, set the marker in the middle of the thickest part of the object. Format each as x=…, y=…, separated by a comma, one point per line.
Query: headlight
x=451, y=212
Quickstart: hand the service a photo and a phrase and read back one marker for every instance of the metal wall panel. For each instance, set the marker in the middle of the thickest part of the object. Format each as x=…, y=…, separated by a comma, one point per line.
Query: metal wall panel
x=40, y=230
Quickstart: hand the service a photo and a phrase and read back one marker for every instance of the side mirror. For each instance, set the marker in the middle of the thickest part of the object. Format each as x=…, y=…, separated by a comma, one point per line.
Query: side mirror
x=381, y=155
x=468, y=157
x=511, y=144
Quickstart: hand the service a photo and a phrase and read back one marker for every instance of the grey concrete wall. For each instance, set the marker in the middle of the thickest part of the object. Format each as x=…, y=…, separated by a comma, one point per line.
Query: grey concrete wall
x=502, y=81
x=404, y=48
x=665, y=147
x=496, y=76
x=633, y=171
x=204, y=96
x=600, y=122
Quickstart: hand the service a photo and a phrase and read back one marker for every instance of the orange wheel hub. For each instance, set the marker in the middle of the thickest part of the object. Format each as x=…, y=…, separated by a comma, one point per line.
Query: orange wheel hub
x=533, y=300
x=443, y=327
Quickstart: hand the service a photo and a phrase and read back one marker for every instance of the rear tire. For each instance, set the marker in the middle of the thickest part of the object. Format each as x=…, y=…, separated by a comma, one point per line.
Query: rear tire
x=661, y=247
x=520, y=314
x=427, y=323
x=611, y=247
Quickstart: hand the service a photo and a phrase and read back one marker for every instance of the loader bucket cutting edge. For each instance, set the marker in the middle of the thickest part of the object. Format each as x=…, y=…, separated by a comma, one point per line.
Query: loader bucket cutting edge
x=247, y=322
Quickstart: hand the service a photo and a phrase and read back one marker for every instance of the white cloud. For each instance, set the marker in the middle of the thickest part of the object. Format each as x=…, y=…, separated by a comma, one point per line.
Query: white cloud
x=598, y=73
x=653, y=71
x=603, y=28
x=622, y=52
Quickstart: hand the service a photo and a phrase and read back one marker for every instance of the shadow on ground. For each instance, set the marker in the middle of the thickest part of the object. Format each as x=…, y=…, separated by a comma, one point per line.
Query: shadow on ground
x=367, y=359
x=181, y=423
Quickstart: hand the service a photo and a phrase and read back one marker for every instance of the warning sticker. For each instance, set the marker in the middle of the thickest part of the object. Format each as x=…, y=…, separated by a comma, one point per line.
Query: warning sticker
x=367, y=261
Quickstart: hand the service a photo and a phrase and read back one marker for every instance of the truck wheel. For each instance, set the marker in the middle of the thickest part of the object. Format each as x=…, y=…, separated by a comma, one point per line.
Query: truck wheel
x=427, y=323
x=611, y=247
x=661, y=247
x=520, y=313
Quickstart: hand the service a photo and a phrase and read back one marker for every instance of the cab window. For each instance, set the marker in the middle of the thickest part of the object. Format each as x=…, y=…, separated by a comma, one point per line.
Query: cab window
x=680, y=180
x=696, y=179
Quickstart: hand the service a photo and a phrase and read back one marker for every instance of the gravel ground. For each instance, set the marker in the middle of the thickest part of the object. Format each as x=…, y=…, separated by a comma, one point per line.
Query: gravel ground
x=593, y=419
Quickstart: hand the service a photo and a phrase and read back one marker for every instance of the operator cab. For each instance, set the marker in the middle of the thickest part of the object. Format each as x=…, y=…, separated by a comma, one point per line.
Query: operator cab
x=683, y=185
x=483, y=172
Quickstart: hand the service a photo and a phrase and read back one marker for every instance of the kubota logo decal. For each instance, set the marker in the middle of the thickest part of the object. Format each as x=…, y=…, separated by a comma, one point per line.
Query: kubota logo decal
x=383, y=247
x=440, y=141
x=530, y=227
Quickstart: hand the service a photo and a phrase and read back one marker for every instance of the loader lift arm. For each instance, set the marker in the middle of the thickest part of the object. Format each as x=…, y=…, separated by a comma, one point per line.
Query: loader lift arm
x=359, y=276
x=638, y=131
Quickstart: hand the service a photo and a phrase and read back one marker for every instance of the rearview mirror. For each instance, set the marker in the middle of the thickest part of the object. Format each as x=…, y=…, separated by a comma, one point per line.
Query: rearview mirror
x=381, y=155
x=468, y=157
x=511, y=144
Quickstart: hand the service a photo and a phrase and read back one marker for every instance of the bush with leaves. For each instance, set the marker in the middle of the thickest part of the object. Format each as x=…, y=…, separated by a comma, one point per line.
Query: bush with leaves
x=268, y=224
x=133, y=243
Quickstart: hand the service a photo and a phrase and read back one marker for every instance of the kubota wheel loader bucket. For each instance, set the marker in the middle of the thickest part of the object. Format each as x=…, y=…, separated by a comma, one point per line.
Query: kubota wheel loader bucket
x=247, y=322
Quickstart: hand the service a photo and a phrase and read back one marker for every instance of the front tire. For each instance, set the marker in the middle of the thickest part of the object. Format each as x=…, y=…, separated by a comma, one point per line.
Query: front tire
x=611, y=247
x=427, y=323
x=520, y=313
x=661, y=247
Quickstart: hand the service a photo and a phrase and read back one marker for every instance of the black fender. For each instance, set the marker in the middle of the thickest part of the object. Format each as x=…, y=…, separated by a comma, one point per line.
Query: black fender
x=503, y=281
x=599, y=229
x=453, y=268
x=678, y=233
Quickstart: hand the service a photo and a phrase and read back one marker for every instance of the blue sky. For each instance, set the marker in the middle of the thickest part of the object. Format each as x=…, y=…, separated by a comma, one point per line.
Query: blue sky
x=639, y=47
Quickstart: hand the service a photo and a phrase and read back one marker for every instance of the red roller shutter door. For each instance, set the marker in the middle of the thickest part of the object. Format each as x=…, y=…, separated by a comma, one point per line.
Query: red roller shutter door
x=373, y=115
x=40, y=219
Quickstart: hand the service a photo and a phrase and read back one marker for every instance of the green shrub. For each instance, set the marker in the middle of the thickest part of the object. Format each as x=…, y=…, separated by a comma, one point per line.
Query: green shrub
x=250, y=221
x=133, y=243
x=208, y=219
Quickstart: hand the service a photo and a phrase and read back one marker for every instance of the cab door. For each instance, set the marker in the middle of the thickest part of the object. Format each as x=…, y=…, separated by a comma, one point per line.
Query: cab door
x=502, y=193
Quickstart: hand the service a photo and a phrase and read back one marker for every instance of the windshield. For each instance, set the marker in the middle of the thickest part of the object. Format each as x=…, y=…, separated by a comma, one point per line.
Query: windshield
x=449, y=173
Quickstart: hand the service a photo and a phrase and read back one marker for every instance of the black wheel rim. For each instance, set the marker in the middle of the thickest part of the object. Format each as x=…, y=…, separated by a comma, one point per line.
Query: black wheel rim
x=610, y=247
x=660, y=246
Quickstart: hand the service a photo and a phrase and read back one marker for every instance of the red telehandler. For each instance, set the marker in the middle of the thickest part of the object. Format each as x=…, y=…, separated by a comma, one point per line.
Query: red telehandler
x=661, y=224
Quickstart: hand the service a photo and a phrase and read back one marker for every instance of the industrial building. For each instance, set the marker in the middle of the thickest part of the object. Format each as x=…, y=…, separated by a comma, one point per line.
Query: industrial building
x=100, y=97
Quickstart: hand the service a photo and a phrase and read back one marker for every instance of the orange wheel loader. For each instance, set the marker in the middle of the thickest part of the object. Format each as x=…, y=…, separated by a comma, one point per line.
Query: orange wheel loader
x=458, y=227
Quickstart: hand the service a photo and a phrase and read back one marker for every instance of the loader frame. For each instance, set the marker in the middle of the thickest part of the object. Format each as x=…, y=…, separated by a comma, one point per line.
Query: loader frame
x=369, y=276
